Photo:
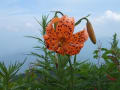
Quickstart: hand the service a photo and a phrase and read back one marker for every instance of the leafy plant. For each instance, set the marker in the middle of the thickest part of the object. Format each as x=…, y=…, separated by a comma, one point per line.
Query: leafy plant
x=8, y=74
x=53, y=71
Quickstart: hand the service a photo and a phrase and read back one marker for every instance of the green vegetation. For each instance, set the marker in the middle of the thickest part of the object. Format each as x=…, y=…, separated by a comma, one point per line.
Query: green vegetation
x=52, y=71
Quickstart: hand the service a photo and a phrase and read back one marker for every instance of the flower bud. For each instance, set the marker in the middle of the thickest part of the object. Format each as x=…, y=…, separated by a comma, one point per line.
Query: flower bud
x=91, y=32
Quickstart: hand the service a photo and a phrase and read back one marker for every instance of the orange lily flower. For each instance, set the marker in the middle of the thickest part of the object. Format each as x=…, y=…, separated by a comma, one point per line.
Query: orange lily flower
x=62, y=40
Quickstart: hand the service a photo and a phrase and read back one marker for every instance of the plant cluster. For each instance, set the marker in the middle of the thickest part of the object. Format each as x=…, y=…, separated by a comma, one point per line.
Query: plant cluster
x=55, y=70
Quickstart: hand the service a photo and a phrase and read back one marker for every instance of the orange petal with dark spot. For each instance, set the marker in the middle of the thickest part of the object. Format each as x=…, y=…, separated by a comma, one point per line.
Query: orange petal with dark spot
x=49, y=28
x=54, y=20
x=72, y=49
x=79, y=37
x=51, y=42
x=65, y=27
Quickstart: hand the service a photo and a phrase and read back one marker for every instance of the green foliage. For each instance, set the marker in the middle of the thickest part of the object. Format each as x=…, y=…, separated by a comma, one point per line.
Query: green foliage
x=59, y=73
x=7, y=75
x=52, y=71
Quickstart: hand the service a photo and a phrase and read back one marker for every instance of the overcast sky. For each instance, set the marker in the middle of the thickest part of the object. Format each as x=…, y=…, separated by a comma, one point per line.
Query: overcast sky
x=17, y=19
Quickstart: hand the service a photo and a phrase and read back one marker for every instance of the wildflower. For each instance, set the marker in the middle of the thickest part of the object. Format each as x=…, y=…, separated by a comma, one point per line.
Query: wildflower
x=61, y=39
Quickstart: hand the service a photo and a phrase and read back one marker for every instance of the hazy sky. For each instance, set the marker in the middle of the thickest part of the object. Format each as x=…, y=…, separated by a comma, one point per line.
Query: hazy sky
x=17, y=19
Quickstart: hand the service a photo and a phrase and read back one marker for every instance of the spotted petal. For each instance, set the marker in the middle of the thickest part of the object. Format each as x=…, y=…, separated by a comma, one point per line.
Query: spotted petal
x=65, y=27
x=79, y=37
x=51, y=42
x=76, y=42
x=49, y=29
x=72, y=49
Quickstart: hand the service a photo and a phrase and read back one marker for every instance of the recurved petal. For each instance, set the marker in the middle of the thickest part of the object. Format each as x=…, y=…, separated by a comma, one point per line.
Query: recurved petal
x=65, y=27
x=49, y=28
x=76, y=42
x=72, y=49
x=79, y=37
x=51, y=42
x=54, y=20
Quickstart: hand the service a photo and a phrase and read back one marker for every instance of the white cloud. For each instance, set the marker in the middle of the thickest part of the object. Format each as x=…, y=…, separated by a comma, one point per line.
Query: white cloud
x=18, y=23
x=108, y=15
x=112, y=15
x=107, y=24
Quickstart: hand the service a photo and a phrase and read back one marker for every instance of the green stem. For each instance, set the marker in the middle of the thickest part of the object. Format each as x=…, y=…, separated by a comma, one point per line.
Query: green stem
x=45, y=52
x=46, y=61
x=7, y=84
x=72, y=74
x=75, y=59
x=79, y=21
x=56, y=12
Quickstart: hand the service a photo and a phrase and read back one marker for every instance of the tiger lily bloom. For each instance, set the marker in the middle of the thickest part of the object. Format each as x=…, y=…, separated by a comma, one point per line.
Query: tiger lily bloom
x=61, y=39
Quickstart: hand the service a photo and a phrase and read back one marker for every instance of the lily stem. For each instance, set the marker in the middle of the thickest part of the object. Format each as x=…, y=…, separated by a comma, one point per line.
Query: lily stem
x=56, y=12
x=72, y=74
x=79, y=21
x=75, y=59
